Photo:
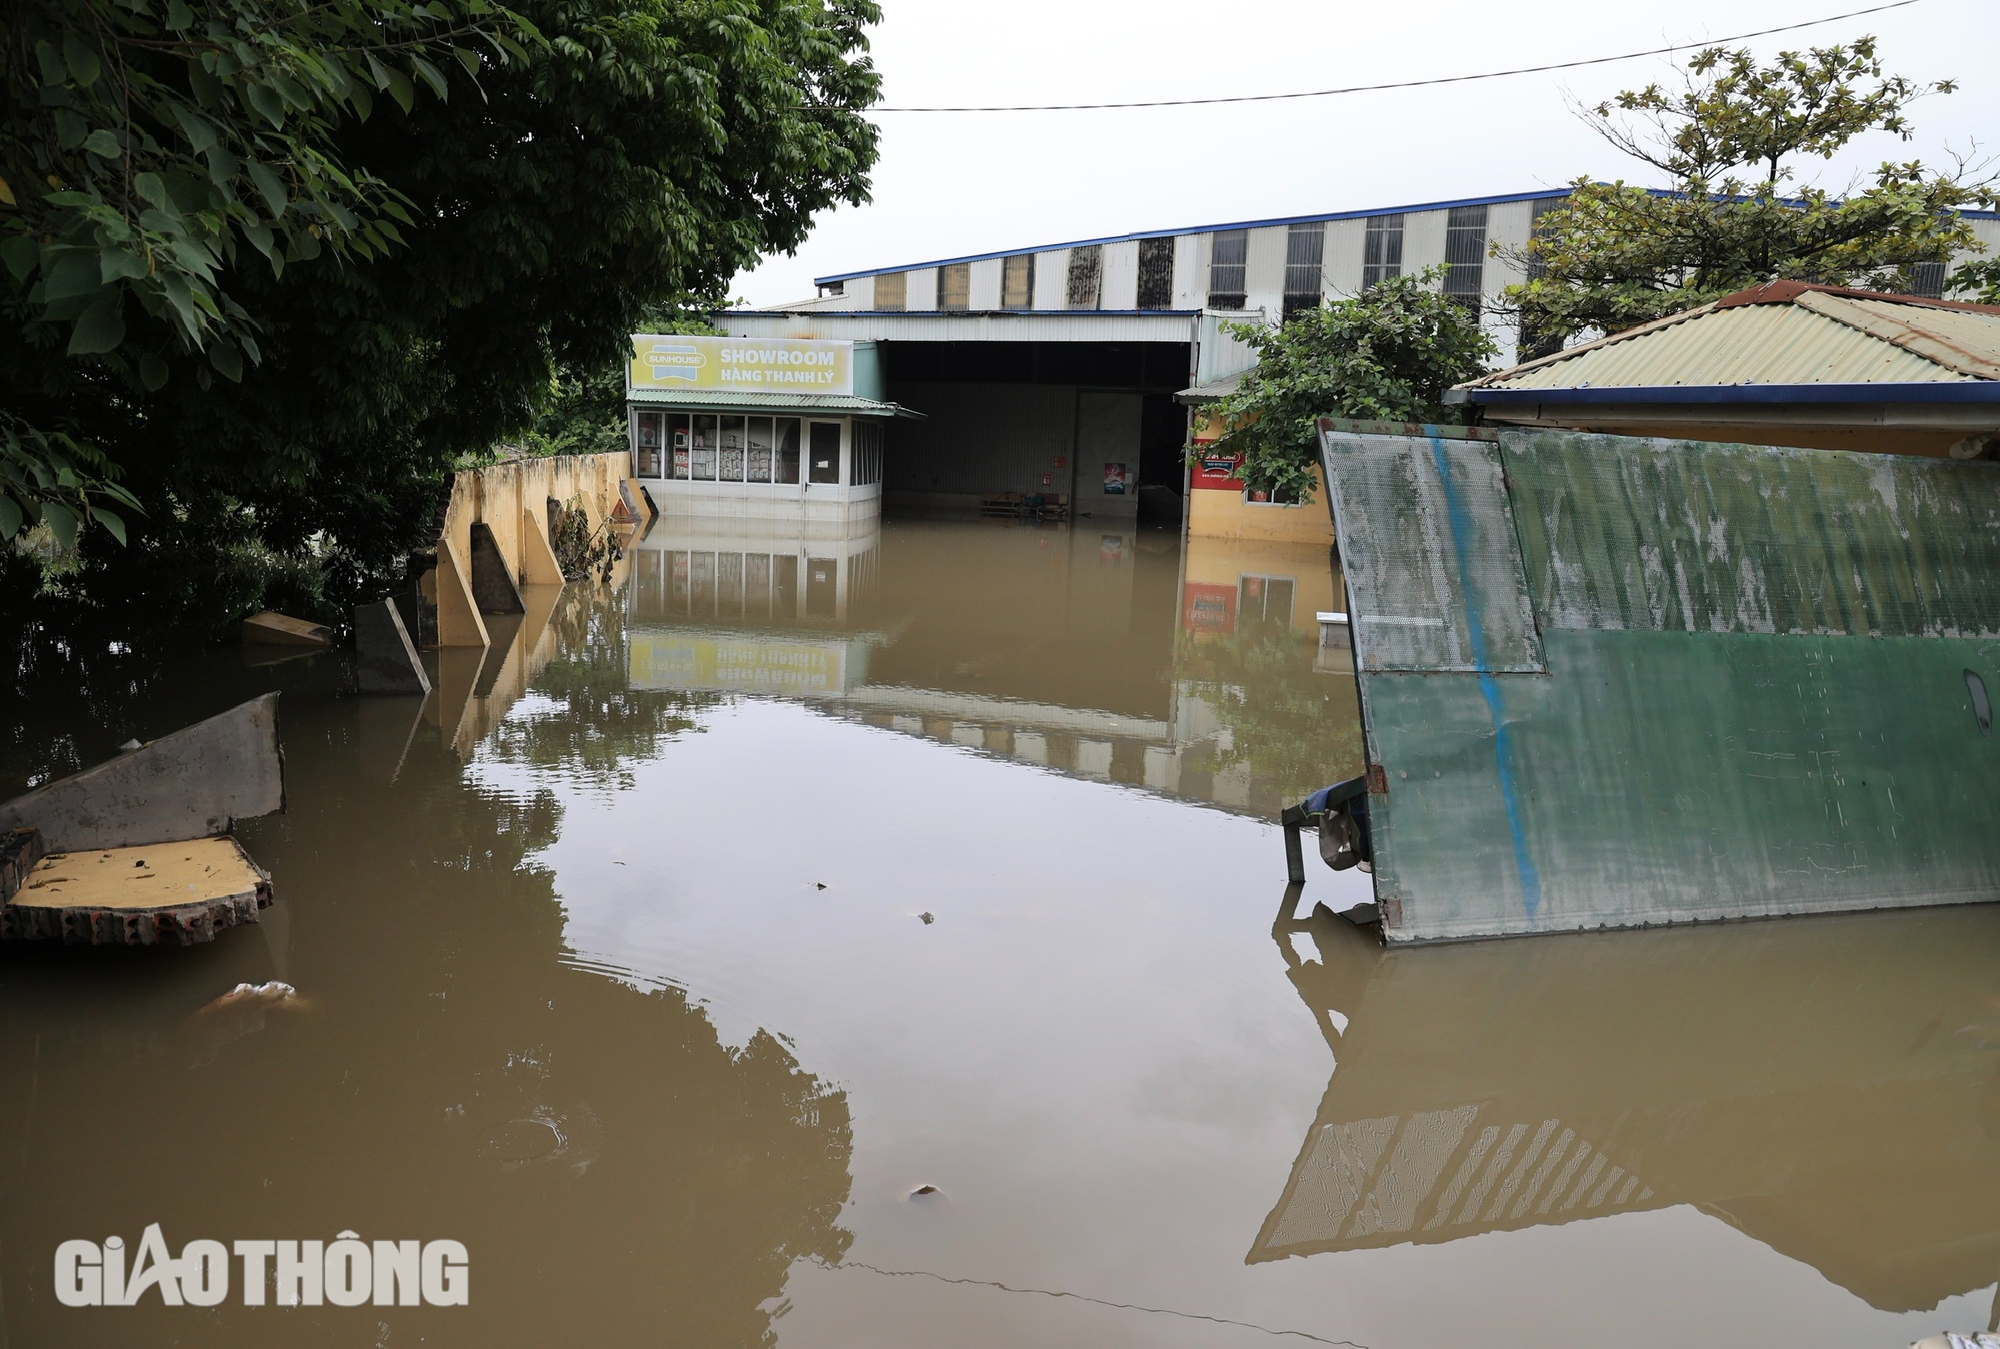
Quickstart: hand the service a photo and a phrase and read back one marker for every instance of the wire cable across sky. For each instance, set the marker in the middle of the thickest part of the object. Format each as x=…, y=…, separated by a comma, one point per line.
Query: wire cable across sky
x=1409, y=84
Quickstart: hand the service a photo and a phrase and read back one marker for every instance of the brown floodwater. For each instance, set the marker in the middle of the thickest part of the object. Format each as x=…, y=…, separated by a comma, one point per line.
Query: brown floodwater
x=883, y=941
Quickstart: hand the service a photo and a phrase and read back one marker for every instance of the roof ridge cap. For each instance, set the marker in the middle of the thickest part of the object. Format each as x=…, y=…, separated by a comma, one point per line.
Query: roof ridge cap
x=1903, y=334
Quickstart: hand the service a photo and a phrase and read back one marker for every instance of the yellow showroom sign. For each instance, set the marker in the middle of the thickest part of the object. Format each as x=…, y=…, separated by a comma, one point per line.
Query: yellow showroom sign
x=742, y=364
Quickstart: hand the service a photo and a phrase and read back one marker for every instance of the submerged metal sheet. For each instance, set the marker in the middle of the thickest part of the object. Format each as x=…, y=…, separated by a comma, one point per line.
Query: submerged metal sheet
x=1429, y=552
x=1756, y=699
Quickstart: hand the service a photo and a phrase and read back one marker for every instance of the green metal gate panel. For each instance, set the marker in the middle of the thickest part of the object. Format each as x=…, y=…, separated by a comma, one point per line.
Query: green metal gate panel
x=1619, y=532
x=1767, y=687
x=1428, y=538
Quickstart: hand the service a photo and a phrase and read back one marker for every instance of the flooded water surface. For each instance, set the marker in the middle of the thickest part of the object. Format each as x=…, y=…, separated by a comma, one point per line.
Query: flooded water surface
x=883, y=941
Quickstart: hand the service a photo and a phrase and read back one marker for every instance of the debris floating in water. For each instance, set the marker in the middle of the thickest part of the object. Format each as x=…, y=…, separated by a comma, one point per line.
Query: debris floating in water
x=819, y=885
x=923, y=1189
x=928, y=918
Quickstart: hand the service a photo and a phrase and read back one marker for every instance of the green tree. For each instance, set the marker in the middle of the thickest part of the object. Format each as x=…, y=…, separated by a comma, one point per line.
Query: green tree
x=1733, y=212
x=147, y=145
x=634, y=153
x=1387, y=354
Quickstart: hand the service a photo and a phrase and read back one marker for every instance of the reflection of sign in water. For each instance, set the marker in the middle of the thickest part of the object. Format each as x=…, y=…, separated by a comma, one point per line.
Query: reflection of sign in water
x=743, y=664
x=1114, y=480
x=753, y=364
x=1209, y=608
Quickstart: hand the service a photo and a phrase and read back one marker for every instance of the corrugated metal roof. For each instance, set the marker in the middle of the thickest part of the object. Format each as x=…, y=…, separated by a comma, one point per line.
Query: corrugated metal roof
x=1783, y=333
x=766, y=402
x=1211, y=391
x=1071, y=325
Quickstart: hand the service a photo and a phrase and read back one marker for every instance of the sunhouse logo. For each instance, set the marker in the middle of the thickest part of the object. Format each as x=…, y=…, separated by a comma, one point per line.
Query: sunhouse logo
x=675, y=362
x=344, y=1272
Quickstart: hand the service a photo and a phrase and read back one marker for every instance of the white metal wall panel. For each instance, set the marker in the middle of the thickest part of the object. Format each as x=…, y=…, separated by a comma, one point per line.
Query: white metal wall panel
x=1051, y=278
x=985, y=287
x=1346, y=244
x=1066, y=326
x=923, y=289
x=1118, y=285
x=1423, y=240
x=982, y=438
x=1507, y=224
x=1264, y=268
x=1190, y=273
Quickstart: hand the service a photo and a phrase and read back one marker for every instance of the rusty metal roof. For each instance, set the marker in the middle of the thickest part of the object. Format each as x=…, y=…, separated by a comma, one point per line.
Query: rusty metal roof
x=1783, y=333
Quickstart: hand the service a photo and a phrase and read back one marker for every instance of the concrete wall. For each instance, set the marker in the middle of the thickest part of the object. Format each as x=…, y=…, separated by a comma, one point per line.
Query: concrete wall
x=511, y=500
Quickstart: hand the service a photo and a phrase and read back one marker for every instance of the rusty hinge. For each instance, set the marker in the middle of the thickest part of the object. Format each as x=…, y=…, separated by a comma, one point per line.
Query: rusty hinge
x=1378, y=780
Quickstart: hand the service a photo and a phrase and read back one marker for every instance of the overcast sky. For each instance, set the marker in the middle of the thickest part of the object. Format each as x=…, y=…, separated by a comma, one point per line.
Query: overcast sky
x=951, y=184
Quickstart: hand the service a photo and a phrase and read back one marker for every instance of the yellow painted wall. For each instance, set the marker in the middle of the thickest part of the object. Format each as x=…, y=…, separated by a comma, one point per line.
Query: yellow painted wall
x=1220, y=513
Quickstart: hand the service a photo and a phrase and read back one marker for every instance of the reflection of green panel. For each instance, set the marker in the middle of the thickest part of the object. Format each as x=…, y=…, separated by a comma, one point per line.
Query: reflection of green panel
x=1657, y=777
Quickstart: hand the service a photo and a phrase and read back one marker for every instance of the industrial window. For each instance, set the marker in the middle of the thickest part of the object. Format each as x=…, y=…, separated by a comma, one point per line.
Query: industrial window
x=1305, y=251
x=1465, y=254
x=1927, y=279
x=1017, y=282
x=1226, y=289
x=788, y=449
x=892, y=290
x=704, y=446
x=648, y=463
x=677, y=445
x=1534, y=345
x=1265, y=599
x=732, y=450
x=758, y=457
x=1086, y=268
x=825, y=452
x=955, y=286
x=1382, y=249
x=865, y=464
x=1156, y=274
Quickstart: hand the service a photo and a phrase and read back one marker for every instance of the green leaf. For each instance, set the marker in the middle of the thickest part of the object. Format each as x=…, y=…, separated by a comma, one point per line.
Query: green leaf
x=21, y=256
x=153, y=371
x=401, y=89
x=152, y=190
x=469, y=59
x=74, y=273
x=62, y=522
x=198, y=130
x=430, y=75
x=102, y=144
x=70, y=129
x=120, y=264
x=10, y=518
x=81, y=60
x=207, y=88
x=360, y=100
x=179, y=16
x=113, y=524
x=265, y=100
x=227, y=360
x=272, y=186
x=53, y=69
x=101, y=328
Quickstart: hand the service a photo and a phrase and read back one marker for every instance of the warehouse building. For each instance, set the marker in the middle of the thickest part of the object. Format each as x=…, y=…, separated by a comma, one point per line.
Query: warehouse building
x=1055, y=380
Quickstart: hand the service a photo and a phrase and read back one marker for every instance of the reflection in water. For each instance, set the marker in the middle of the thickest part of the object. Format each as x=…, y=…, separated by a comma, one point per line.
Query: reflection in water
x=1051, y=646
x=1830, y=1087
x=443, y=1074
x=1055, y=1002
